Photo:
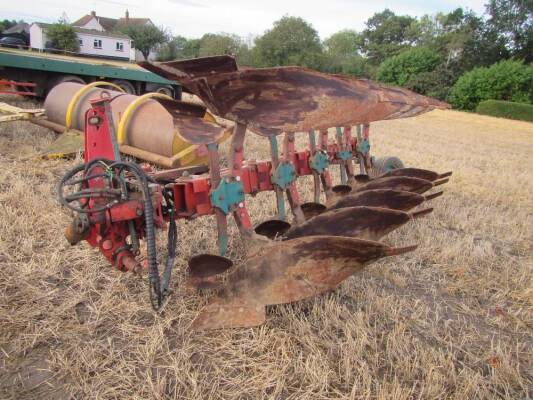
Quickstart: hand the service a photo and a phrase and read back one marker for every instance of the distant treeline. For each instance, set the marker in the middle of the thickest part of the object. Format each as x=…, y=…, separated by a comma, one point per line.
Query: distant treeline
x=427, y=54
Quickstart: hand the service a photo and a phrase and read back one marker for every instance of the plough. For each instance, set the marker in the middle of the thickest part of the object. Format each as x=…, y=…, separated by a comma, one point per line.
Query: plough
x=118, y=203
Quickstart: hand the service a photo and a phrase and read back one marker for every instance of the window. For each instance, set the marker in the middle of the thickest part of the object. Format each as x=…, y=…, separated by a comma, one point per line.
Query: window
x=97, y=43
x=120, y=46
x=81, y=42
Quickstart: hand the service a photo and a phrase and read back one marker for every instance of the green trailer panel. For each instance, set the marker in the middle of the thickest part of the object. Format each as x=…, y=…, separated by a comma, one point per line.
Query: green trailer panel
x=99, y=68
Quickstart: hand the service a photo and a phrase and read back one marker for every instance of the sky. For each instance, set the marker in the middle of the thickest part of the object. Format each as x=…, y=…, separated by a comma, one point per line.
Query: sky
x=193, y=18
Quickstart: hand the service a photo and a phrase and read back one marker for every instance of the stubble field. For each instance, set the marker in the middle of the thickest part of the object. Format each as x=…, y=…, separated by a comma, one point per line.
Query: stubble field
x=454, y=319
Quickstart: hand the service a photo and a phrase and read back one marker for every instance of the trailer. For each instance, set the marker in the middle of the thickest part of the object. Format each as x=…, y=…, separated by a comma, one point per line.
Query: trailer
x=35, y=73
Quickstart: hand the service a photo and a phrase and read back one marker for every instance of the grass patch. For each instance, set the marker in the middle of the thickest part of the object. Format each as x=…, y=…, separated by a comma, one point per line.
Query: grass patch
x=506, y=109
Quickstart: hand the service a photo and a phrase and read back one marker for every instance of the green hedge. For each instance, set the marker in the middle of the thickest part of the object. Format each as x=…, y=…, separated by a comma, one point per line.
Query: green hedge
x=400, y=68
x=506, y=109
x=507, y=80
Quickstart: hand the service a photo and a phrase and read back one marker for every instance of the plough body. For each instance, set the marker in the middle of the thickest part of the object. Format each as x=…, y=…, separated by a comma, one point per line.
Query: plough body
x=119, y=203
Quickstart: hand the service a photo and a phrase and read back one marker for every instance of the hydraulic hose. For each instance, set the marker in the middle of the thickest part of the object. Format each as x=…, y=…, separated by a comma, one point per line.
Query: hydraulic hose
x=158, y=286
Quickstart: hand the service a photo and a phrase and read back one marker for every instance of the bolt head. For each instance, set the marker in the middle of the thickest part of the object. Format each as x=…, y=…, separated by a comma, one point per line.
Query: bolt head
x=241, y=205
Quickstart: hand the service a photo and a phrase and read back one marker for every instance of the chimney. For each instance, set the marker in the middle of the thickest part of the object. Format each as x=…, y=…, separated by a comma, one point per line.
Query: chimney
x=127, y=16
x=93, y=13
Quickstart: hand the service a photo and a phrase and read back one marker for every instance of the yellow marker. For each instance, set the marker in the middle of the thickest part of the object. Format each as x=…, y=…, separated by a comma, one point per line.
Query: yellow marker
x=128, y=112
x=81, y=92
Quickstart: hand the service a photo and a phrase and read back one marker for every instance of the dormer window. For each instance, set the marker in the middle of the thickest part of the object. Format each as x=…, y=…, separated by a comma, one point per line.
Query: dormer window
x=120, y=46
x=97, y=43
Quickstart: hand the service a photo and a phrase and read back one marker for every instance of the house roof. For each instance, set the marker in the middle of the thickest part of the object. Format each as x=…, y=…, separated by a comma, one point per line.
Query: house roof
x=110, y=24
x=132, y=21
x=107, y=23
x=83, y=20
x=18, y=28
x=93, y=32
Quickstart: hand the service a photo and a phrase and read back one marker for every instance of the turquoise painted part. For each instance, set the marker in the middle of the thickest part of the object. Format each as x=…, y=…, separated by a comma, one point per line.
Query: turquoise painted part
x=339, y=130
x=319, y=162
x=223, y=244
x=344, y=155
x=363, y=146
x=274, y=146
x=284, y=175
x=228, y=193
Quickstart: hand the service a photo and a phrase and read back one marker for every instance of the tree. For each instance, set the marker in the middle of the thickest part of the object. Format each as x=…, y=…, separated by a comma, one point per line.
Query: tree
x=507, y=80
x=63, y=36
x=436, y=83
x=462, y=40
x=386, y=35
x=292, y=41
x=513, y=20
x=342, y=51
x=192, y=48
x=468, y=42
x=145, y=37
x=399, y=69
x=6, y=24
x=174, y=49
x=212, y=44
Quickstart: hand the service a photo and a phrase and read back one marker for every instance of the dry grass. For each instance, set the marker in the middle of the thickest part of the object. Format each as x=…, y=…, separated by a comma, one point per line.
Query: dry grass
x=452, y=320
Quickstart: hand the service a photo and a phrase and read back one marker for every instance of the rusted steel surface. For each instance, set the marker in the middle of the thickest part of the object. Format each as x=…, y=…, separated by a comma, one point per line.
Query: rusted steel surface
x=403, y=183
x=385, y=198
x=204, y=66
x=312, y=209
x=272, y=228
x=371, y=223
x=294, y=99
x=192, y=68
x=417, y=173
x=205, y=270
x=286, y=272
x=189, y=122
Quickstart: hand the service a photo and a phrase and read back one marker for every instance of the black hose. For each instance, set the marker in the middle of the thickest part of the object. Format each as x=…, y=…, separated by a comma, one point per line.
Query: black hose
x=171, y=246
x=156, y=296
x=158, y=288
x=85, y=193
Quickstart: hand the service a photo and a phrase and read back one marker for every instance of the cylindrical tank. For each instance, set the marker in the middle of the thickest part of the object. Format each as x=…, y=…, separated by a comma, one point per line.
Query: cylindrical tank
x=150, y=128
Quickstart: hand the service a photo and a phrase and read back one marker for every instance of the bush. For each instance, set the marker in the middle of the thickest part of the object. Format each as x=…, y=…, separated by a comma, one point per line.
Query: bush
x=436, y=83
x=63, y=37
x=506, y=80
x=399, y=69
x=506, y=109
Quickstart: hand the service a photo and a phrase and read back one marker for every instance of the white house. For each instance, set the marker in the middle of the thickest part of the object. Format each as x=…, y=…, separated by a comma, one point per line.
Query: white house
x=105, y=24
x=92, y=42
x=98, y=36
